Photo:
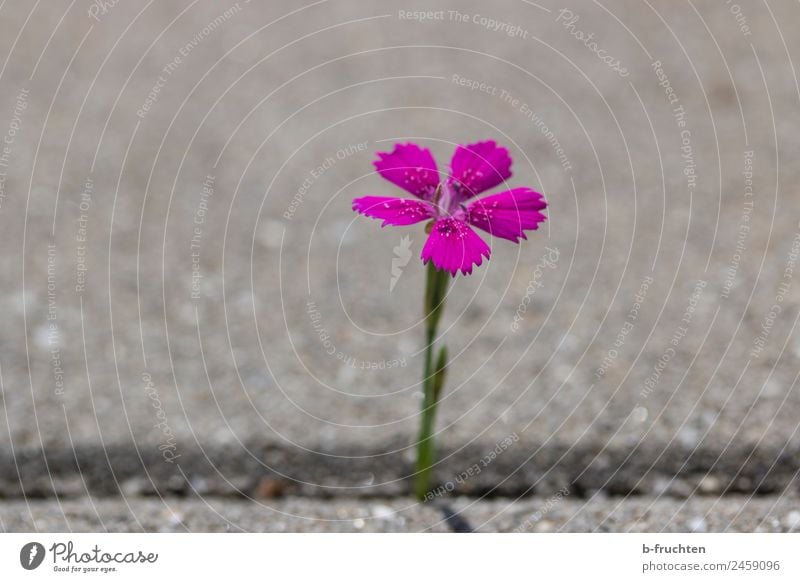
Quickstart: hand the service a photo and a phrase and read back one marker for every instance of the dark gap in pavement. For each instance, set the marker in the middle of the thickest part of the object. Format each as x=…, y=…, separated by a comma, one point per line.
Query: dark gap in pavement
x=270, y=471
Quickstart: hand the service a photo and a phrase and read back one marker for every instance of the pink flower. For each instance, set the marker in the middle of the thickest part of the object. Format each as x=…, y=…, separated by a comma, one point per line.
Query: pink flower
x=452, y=244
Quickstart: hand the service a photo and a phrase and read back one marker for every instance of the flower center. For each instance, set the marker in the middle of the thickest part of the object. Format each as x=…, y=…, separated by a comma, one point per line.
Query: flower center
x=447, y=201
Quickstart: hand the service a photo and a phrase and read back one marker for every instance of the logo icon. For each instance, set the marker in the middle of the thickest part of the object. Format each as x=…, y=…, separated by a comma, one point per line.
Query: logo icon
x=31, y=555
x=402, y=254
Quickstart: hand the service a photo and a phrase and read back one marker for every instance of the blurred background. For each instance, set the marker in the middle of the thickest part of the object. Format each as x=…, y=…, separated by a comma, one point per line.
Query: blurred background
x=199, y=334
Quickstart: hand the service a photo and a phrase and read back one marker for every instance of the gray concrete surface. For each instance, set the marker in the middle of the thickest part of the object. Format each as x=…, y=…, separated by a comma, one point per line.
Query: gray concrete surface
x=303, y=514
x=112, y=368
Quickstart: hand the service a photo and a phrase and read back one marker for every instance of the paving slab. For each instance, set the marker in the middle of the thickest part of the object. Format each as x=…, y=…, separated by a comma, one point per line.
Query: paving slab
x=164, y=249
x=301, y=514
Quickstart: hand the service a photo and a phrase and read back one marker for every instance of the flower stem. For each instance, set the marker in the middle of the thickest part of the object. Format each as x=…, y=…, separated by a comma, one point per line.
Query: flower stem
x=432, y=378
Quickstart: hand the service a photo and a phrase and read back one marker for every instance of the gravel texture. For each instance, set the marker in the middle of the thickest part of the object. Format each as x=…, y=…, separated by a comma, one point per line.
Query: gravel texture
x=301, y=514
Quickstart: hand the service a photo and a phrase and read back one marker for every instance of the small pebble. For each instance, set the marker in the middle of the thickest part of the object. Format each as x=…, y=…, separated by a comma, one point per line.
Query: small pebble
x=270, y=488
x=792, y=520
x=698, y=525
x=639, y=414
x=709, y=484
x=383, y=512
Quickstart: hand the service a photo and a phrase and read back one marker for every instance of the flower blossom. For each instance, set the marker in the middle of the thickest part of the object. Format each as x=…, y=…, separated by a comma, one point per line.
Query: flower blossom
x=448, y=202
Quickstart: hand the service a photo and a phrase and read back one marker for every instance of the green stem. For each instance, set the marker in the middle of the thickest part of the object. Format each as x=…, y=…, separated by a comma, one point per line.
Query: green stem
x=432, y=378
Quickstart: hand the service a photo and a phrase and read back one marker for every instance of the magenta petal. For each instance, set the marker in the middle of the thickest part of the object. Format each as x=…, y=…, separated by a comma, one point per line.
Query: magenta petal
x=480, y=166
x=452, y=246
x=508, y=214
x=394, y=211
x=410, y=167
